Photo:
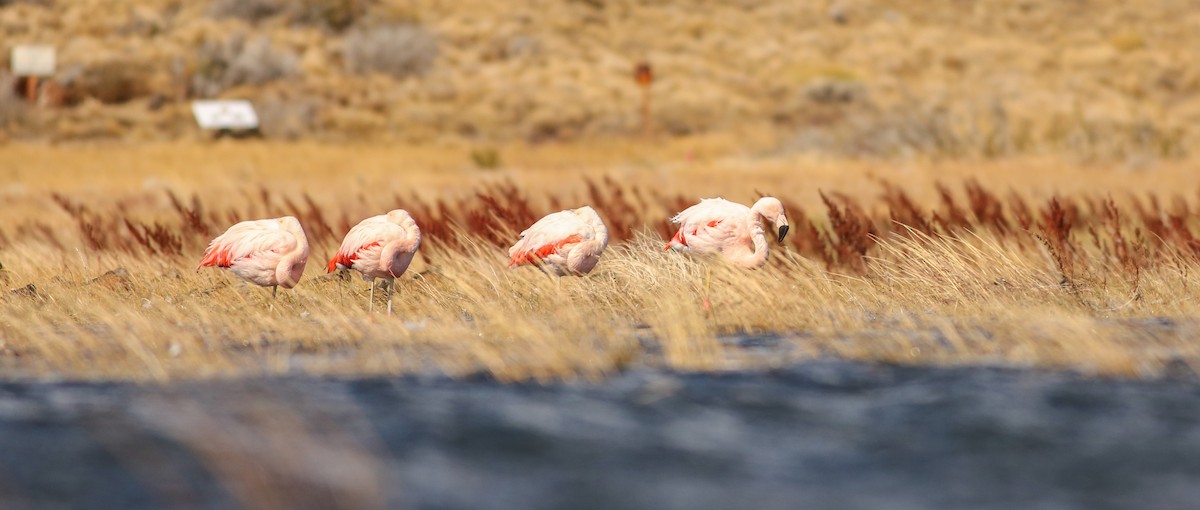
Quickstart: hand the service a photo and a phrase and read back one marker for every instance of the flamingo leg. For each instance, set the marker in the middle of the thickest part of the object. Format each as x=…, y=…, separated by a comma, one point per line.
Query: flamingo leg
x=371, y=299
x=391, y=292
x=342, y=287
x=707, y=286
x=274, y=291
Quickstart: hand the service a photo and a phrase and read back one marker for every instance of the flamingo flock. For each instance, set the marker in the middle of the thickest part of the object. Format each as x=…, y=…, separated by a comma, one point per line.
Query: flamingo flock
x=273, y=252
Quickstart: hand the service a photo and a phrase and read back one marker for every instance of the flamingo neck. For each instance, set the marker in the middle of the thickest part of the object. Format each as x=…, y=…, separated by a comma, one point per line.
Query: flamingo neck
x=758, y=238
x=291, y=264
x=756, y=211
x=399, y=247
x=602, y=235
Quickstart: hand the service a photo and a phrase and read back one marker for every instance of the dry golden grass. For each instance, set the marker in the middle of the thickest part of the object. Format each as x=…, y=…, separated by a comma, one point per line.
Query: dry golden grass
x=1069, y=286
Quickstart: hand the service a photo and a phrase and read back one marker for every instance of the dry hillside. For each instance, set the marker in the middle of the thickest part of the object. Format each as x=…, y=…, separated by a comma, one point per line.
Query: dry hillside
x=1087, y=78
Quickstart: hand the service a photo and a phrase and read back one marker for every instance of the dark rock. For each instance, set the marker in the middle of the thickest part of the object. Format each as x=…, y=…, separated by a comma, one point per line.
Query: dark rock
x=116, y=280
x=29, y=291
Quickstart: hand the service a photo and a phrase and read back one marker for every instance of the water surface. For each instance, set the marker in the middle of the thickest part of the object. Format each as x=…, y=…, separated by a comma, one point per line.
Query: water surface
x=814, y=435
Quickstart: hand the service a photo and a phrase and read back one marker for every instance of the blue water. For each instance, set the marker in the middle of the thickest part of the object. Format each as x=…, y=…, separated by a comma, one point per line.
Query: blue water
x=816, y=435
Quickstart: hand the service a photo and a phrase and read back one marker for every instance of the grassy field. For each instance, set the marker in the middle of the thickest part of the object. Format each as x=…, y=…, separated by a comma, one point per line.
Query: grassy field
x=1033, y=262
x=992, y=181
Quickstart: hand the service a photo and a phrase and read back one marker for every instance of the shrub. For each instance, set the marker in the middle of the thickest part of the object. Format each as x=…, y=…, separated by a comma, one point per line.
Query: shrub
x=335, y=15
x=249, y=10
x=834, y=91
x=487, y=158
x=12, y=105
x=234, y=62
x=41, y=3
x=398, y=50
x=287, y=118
x=114, y=81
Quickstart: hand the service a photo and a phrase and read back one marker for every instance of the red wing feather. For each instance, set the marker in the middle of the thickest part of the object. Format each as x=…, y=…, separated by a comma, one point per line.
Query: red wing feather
x=541, y=252
x=219, y=256
x=677, y=239
x=347, y=259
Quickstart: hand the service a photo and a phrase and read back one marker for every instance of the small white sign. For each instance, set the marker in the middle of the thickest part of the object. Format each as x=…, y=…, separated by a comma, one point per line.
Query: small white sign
x=225, y=114
x=28, y=60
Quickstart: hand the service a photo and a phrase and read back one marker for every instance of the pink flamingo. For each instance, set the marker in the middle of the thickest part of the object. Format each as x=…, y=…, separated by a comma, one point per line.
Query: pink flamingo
x=268, y=253
x=718, y=226
x=563, y=243
x=379, y=247
x=732, y=230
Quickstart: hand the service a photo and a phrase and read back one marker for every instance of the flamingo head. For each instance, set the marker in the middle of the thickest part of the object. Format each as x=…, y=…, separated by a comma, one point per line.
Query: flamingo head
x=398, y=216
x=290, y=224
x=585, y=211
x=590, y=215
x=771, y=209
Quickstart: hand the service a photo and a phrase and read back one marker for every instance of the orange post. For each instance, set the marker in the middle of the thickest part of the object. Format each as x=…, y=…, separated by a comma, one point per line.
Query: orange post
x=643, y=74
x=31, y=89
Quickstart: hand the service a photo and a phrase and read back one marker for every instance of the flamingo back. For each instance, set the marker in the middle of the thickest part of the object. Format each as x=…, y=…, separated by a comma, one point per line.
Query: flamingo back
x=365, y=247
x=254, y=250
x=711, y=226
x=550, y=239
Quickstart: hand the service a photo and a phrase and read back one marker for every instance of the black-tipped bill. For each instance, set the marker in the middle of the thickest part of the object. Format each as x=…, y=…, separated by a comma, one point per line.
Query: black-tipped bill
x=782, y=233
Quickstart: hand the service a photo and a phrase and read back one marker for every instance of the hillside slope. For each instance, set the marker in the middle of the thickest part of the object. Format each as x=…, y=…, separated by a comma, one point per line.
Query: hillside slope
x=1093, y=78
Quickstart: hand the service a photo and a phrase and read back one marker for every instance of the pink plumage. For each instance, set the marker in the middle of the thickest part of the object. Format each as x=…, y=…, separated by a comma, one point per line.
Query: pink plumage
x=269, y=253
x=563, y=243
x=716, y=226
x=379, y=247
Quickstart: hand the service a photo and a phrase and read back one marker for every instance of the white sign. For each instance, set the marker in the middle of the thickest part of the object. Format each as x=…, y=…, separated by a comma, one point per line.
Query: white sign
x=33, y=60
x=225, y=114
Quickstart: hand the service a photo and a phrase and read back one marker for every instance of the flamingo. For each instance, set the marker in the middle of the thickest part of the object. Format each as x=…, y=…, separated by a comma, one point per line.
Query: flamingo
x=718, y=226
x=268, y=253
x=379, y=247
x=732, y=230
x=564, y=243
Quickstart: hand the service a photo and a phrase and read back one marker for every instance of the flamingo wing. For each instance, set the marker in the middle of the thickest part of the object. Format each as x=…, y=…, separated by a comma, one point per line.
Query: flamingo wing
x=369, y=233
x=706, y=225
x=248, y=239
x=549, y=236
